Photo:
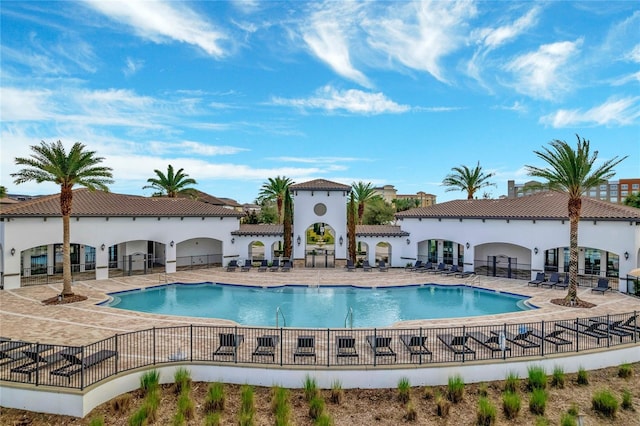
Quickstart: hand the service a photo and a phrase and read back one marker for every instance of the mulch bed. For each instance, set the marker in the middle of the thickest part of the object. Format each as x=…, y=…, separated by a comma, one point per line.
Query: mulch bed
x=67, y=299
x=579, y=304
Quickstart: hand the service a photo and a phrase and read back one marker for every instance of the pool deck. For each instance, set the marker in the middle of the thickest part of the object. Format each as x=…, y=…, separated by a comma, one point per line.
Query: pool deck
x=23, y=316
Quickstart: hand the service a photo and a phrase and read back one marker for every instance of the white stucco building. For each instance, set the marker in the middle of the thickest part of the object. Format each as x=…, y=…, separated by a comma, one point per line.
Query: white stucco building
x=115, y=234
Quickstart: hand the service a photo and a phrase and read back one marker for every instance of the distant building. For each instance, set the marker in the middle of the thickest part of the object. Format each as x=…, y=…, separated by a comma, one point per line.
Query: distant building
x=614, y=191
x=389, y=193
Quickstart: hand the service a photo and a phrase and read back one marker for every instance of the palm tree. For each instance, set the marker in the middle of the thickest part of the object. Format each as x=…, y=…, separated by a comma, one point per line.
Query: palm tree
x=465, y=179
x=273, y=190
x=51, y=163
x=572, y=172
x=363, y=193
x=171, y=184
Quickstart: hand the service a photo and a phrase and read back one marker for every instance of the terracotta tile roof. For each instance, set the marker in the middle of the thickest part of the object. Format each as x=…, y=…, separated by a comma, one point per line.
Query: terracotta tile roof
x=100, y=203
x=320, y=185
x=544, y=205
x=259, y=229
x=229, y=202
x=202, y=196
x=380, y=230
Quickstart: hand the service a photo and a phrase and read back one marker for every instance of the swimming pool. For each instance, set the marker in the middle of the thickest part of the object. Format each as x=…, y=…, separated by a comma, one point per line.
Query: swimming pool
x=318, y=307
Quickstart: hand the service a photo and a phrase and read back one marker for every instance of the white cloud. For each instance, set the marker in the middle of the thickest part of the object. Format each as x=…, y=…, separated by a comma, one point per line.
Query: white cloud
x=543, y=73
x=614, y=112
x=353, y=101
x=160, y=20
x=634, y=54
x=132, y=66
x=25, y=104
x=517, y=106
x=187, y=148
x=492, y=38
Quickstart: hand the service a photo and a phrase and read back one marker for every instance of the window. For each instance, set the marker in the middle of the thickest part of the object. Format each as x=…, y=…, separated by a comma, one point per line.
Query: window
x=614, y=199
x=613, y=265
x=614, y=193
x=624, y=186
x=613, y=186
x=624, y=193
x=592, y=193
x=635, y=186
x=603, y=187
x=591, y=261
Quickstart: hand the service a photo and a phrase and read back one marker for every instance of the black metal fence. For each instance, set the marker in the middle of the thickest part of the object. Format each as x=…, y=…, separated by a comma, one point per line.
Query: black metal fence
x=81, y=366
x=203, y=261
x=53, y=274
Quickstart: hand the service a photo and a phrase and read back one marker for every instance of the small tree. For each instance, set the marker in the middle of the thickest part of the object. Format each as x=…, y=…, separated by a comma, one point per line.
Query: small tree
x=171, y=184
x=467, y=180
x=274, y=190
x=633, y=200
x=364, y=193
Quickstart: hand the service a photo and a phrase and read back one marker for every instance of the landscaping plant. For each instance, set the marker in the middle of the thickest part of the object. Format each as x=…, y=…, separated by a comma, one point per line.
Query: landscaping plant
x=403, y=390
x=215, y=398
x=511, y=382
x=310, y=388
x=337, y=393
x=181, y=379
x=568, y=420
x=442, y=405
x=247, y=408
x=486, y=415
x=625, y=371
x=511, y=404
x=537, y=377
x=557, y=379
x=455, y=389
x=149, y=381
x=583, y=378
x=604, y=403
x=538, y=401
x=410, y=414
x=316, y=407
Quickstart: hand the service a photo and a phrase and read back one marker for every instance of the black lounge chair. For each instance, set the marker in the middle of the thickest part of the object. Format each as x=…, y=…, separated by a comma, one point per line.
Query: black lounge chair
x=522, y=339
x=631, y=324
x=553, y=280
x=426, y=267
x=366, y=266
x=538, y=280
x=232, y=266
x=247, y=266
x=416, y=345
x=38, y=359
x=76, y=365
x=382, y=267
x=439, y=269
x=464, y=274
x=264, y=265
x=603, y=285
x=457, y=345
x=613, y=328
x=9, y=351
x=490, y=342
x=305, y=348
x=591, y=329
x=381, y=346
x=564, y=283
x=286, y=267
x=350, y=266
x=266, y=346
x=346, y=347
x=553, y=337
x=228, y=346
x=418, y=265
x=452, y=271
x=275, y=266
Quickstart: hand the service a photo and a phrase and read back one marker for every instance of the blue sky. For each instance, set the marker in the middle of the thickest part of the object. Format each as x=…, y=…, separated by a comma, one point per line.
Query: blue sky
x=384, y=92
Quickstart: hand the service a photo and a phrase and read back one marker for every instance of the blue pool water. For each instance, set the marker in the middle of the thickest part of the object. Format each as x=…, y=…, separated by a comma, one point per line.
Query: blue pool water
x=321, y=307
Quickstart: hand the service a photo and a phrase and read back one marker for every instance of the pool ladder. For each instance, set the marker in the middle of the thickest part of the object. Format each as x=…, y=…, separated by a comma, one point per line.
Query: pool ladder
x=279, y=314
x=349, y=318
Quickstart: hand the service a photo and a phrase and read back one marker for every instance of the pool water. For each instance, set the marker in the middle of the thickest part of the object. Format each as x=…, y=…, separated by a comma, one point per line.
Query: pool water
x=323, y=307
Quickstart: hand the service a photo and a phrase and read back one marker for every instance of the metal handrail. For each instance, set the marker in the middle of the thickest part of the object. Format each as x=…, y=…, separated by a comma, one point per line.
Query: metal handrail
x=349, y=317
x=278, y=314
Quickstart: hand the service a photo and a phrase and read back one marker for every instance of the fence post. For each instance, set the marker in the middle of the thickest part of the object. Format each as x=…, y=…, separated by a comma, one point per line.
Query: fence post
x=543, y=341
x=235, y=342
x=82, y=368
x=464, y=344
x=608, y=332
x=635, y=326
x=375, y=346
x=281, y=344
x=117, y=352
x=577, y=336
x=191, y=342
x=37, y=363
x=328, y=347
x=420, y=350
x=153, y=342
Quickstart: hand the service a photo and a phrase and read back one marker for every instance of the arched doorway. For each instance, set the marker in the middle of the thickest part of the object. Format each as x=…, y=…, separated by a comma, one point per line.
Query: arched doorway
x=383, y=253
x=320, y=240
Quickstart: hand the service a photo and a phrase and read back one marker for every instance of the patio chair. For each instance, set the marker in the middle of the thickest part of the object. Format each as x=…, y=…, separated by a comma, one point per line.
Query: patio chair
x=426, y=267
x=564, y=283
x=538, y=280
x=464, y=274
x=266, y=346
x=553, y=280
x=416, y=266
x=75, y=365
x=416, y=345
x=305, y=348
x=350, y=266
x=9, y=352
x=457, y=345
x=613, y=328
x=552, y=337
x=286, y=267
x=38, y=359
x=522, y=339
x=381, y=346
x=603, y=285
x=591, y=330
x=454, y=270
x=232, y=265
x=491, y=342
x=438, y=269
x=631, y=324
x=366, y=266
x=264, y=265
x=346, y=347
x=275, y=265
x=382, y=266
x=228, y=346
x=247, y=266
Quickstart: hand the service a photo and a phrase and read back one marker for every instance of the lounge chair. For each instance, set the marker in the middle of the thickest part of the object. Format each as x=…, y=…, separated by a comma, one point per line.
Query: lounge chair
x=538, y=280
x=603, y=285
x=491, y=342
x=38, y=359
x=232, y=266
x=381, y=346
x=286, y=267
x=350, y=266
x=591, y=330
x=457, y=345
x=464, y=274
x=305, y=348
x=553, y=280
x=631, y=324
x=440, y=268
x=418, y=265
x=9, y=351
x=275, y=266
x=613, y=328
x=346, y=347
x=426, y=267
x=366, y=266
x=228, y=346
x=266, y=346
x=264, y=265
x=416, y=345
x=247, y=266
x=76, y=365
x=454, y=270
x=522, y=339
x=553, y=337
x=564, y=283
x=382, y=267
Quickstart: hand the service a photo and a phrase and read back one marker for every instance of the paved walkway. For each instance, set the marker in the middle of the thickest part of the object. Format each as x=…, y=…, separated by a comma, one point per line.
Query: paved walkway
x=22, y=315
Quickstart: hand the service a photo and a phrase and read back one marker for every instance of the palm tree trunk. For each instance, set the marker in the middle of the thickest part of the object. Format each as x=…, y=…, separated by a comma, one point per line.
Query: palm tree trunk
x=279, y=204
x=66, y=196
x=575, y=205
x=360, y=213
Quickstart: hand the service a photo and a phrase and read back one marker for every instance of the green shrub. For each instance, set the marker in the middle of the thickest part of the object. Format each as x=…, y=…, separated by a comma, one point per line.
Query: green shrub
x=245, y=419
x=568, y=420
x=316, y=407
x=486, y=415
x=185, y=405
x=212, y=419
x=336, y=392
x=428, y=393
x=542, y=421
x=511, y=404
x=511, y=382
x=603, y=402
x=537, y=377
x=483, y=389
x=538, y=401
x=573, y=410
x=323, y=420
x=583, y=377
x=247, y=408
x=149, y=381
x=403, y=390
x=442, y=405
x=310, y=388
x=139, y=417
x=178, y=419
x=97, y=421
x=557, y=379
x=625, y=371
x=151, y=404
x=626, y=400
x=215, y=398
x=455, y=389
x=280, y=405
x=410, y=414
x=182, y=379
x=121, y=403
